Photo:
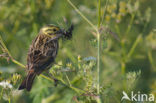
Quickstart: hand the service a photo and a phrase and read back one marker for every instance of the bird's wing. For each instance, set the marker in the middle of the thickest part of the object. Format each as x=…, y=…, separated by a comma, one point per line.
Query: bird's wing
x=38, y=61
x=41, y=55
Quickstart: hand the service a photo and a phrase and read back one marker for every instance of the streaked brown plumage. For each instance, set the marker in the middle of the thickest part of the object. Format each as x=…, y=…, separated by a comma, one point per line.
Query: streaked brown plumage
x=42, y=53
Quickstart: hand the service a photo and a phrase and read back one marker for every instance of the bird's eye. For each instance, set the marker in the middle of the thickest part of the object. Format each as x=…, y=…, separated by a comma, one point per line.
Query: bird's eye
x=54, y=29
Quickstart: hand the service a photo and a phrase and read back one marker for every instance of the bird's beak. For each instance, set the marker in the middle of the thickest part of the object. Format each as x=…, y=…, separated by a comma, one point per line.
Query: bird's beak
x=60, y=33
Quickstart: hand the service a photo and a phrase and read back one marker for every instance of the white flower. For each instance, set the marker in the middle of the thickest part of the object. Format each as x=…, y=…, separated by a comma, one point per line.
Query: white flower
x=5, y=84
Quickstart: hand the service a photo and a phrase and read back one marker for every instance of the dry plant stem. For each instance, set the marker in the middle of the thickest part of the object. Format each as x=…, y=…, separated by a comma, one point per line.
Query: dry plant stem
x=43, y=76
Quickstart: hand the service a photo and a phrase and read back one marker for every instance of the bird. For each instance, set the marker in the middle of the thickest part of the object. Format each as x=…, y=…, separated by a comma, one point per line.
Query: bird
x=42, y=52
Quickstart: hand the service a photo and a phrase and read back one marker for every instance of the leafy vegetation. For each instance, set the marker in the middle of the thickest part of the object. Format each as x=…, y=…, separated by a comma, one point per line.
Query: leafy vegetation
x=112, y=50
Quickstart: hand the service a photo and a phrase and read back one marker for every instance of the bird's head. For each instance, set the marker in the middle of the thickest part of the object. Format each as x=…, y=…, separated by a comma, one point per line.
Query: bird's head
x=52, y=31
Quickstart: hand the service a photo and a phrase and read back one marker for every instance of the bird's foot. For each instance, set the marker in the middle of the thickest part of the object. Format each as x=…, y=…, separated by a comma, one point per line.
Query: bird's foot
x=55, y=80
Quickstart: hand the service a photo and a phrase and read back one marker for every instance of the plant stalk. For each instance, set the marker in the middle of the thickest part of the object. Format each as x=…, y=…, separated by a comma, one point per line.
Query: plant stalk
x=98, y=52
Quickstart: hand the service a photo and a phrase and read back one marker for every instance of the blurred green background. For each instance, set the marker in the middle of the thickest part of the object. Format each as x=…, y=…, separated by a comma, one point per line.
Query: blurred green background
x=127, y=64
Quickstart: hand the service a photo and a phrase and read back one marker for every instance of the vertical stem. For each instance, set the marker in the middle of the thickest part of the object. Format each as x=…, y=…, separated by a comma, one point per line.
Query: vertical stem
x=98, y=53
x=9, y=100
x=98, y=68
x=1, y=93
x=123, y=67
x=99, y=13
x=102, y=19
x=149, y=53
x=98, y=64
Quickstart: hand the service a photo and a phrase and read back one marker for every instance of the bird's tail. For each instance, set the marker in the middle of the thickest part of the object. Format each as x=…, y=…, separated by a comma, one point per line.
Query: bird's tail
x=28, y=81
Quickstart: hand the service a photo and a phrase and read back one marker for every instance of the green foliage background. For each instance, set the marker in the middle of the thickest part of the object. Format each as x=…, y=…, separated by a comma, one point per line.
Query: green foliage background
x=126, y=64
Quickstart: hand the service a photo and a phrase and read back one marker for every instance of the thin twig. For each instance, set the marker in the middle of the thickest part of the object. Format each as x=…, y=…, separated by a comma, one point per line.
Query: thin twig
x=78, y=11
x=134, y=46
x=4, y=47
x=68, y=79
x=103, y=16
